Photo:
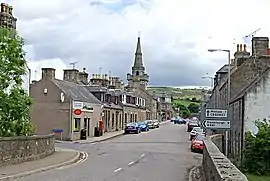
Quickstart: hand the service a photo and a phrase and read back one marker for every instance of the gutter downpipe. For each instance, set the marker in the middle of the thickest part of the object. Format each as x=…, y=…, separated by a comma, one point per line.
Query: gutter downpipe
x=70, y=118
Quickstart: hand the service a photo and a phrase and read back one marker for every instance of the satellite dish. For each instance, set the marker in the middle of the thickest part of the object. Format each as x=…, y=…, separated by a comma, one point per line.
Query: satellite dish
x=62, y=97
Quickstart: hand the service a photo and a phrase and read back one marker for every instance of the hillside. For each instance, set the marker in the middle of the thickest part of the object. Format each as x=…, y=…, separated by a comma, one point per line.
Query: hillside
x=178, y=93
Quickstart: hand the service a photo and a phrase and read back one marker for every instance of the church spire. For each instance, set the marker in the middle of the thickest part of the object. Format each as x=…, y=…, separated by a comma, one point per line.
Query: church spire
x=138, y=63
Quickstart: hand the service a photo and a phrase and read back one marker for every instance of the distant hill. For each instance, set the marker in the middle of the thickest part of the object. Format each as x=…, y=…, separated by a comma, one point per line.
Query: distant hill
x=178, y=93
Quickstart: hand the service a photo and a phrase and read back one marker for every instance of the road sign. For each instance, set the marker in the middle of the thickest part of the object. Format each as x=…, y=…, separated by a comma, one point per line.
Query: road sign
x=216, y=124
x=216, y=113
x=215, y=118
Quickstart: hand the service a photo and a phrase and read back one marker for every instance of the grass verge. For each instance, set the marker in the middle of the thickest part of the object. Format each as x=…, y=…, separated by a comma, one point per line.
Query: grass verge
x=257, y=177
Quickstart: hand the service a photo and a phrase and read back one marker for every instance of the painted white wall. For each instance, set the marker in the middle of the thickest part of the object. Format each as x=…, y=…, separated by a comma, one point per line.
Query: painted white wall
x=257, y=104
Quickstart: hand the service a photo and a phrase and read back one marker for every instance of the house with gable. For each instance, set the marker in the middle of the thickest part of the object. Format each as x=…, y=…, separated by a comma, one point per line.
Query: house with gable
x=64, y=106
x=250, y=93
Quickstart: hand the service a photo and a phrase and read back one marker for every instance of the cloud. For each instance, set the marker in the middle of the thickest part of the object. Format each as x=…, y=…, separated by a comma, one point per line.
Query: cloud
x=175, y=34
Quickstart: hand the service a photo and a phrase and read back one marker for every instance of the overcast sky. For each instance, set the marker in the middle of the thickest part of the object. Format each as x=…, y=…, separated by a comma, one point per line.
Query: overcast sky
x=175, y=35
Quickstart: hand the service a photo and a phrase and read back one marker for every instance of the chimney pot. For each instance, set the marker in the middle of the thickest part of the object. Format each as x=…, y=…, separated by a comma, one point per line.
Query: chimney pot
x=84, y=70
x=245, y=48
x=237, y=47
x=241, y=48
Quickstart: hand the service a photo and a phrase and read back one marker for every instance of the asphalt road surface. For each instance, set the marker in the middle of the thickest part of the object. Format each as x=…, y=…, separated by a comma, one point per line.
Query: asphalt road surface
x=161, y=154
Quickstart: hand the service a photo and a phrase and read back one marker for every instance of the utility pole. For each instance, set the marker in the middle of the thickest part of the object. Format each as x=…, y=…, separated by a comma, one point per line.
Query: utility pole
x=73, y=64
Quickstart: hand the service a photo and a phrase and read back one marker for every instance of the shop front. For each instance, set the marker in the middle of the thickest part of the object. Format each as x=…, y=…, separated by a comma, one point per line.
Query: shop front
x=82, y=120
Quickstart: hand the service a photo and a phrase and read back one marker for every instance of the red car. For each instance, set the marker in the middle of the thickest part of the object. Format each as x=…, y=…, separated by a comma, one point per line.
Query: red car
x=197, y=143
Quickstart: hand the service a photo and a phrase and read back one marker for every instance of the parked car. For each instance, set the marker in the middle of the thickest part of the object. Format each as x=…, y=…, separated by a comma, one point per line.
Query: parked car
x=143, y=125
x=150, y=124
x=132, y=128
x=197, y=144
x=195, y=131
x=191, y=124
x=173, y=119
x=156, y=124
x=180, y=121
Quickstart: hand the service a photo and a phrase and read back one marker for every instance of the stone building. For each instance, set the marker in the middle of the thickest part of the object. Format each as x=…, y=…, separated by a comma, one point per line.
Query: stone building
x=138, y=81
x=7, y=19
x=63, y=105
x=250, y=86
x=166, y=109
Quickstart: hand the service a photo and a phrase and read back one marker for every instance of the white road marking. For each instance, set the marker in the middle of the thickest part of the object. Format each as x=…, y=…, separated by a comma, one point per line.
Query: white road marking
x=93, y=143
x=83, y=159
x=142, y=155
x=117, y=170
x=131, y=163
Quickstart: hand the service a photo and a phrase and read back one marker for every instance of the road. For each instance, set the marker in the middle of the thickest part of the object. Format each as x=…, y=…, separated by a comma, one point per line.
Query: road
x=159, y=155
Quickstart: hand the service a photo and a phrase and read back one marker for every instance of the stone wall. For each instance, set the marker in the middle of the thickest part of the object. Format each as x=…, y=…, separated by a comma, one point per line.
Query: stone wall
x=25, y=148
x=216, y=165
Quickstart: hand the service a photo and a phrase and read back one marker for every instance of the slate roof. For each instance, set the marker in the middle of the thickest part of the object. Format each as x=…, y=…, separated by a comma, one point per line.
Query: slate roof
x=95, y=88
x=76, y=92
x=112, y=105
x=223, y=69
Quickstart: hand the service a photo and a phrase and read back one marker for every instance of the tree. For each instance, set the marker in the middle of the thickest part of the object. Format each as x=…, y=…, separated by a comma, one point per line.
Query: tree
x=256, y=153
x=193, y=108
x=15, y=103
x=183, y=110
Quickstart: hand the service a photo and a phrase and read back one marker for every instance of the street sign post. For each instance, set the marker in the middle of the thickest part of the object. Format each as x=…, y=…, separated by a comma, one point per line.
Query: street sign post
x=215, y=118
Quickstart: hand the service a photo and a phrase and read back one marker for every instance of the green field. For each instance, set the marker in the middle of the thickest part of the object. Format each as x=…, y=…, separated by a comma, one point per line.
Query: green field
x=257, y=178
x=185, y=102
x=178, y=93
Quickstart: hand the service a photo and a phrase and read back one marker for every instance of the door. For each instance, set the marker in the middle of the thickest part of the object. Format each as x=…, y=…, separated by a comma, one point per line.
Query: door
x=88, y=127
x=116, y=120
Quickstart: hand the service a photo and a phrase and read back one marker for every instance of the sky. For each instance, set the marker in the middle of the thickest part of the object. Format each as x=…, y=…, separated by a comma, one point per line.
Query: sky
x=175, y=35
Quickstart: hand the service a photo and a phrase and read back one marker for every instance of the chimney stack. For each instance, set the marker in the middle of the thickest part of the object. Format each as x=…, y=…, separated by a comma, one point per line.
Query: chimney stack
x=48, y=73
x=71, y=75
x=260, y=46
x=83, y=76
x=3, y=7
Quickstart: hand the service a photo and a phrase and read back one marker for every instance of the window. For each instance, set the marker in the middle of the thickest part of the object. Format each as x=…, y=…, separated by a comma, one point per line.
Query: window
x=109, y=119
x=120, y=118
x=137, y=73
x=125, y=117
x=131, y=118
x=77, y=124
x=112, y=120
x=135, y=117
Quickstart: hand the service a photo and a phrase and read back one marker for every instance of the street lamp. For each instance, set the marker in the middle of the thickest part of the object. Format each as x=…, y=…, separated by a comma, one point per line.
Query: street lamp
x=228, y=91
x=209, y=77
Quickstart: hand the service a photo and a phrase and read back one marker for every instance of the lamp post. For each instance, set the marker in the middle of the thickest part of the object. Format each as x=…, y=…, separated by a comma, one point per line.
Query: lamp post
x=211, y=78
x=228, y=91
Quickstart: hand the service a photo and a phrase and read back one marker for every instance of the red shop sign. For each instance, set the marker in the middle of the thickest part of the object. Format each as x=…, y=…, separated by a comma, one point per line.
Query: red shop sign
x=77, y=111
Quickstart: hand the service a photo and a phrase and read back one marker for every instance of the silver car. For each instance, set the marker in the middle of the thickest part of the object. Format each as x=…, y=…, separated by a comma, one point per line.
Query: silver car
x=156, y=123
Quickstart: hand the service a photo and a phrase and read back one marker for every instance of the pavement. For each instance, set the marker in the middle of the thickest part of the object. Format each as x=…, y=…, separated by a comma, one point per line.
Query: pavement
x=61, y=157
x=106, y=136
x=162, y=154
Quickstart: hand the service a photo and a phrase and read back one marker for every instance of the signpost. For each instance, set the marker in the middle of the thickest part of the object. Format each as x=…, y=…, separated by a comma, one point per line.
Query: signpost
x=215, y=118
